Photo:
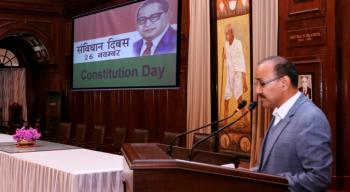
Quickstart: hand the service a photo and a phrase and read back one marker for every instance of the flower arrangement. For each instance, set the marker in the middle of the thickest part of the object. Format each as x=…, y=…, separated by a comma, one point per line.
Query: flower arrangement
x=26, y=136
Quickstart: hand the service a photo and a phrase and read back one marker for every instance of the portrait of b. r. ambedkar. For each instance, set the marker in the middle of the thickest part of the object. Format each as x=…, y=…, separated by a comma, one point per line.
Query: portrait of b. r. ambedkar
x=152, y=23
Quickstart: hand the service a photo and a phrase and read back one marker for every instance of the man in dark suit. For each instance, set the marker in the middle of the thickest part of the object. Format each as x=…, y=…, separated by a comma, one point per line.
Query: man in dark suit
x=158, y=37
x=297, y=145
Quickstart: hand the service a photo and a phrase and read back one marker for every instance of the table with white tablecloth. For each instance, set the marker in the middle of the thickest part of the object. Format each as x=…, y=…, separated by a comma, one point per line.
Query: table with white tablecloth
x=70, y=170
x=5, y=138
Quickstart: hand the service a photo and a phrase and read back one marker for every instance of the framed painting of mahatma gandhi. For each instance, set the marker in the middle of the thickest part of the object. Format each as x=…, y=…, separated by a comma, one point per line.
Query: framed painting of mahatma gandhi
x=233, y=73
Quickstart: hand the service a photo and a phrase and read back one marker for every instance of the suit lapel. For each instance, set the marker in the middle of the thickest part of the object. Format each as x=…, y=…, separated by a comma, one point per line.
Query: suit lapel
x=280, y=127
x=138, y=46
x=275, y=133
x=262, y=151
x=163, y=42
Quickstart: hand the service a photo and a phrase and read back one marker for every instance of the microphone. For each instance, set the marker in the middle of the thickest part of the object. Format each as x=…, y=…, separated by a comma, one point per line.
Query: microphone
x=240, y=106
x=251, y=107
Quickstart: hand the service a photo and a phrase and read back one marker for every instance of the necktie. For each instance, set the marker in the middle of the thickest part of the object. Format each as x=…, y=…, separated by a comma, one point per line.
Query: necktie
x=147, y=51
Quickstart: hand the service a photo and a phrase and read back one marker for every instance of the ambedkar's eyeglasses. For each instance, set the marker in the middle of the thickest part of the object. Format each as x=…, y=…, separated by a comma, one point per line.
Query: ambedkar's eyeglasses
x=153, y=18
x=261, y=83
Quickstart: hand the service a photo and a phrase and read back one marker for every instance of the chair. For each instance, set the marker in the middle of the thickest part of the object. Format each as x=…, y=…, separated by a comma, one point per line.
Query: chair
x=115, y=143
x=79, y=135
x=15, y=115
x=63, y=134
x=98, y=134
x=169, y=136
x=139, y=136
x=207, y=145
x=119, y=139
x=97, y=140
x=64, y=130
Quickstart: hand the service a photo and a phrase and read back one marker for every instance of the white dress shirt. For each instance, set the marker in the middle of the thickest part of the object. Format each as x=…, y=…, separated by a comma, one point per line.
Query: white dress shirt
x=282, y=111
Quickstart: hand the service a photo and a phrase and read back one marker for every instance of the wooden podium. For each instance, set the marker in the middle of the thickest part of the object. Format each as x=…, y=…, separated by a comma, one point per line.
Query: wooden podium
x=152, y=169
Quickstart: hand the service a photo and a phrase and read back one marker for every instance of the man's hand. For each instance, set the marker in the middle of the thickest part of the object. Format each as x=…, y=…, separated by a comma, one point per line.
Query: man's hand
x=245, y=86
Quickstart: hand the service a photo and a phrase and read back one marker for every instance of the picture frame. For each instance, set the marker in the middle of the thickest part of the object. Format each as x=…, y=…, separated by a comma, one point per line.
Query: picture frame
x=310, y=66
x=231, y=73
x=305, y=85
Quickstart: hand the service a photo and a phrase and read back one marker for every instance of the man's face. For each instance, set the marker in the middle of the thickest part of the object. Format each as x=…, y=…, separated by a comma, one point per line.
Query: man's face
x=151, y=21
x=304, y=82
x=267, y=85
x=229, y=35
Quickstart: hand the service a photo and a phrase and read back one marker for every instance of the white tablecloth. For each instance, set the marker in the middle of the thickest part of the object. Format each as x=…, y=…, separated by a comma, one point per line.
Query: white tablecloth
x=6, y=138
x=71, y=170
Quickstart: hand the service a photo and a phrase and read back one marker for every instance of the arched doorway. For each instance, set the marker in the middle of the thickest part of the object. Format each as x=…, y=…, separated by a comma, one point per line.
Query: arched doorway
x=19, y=54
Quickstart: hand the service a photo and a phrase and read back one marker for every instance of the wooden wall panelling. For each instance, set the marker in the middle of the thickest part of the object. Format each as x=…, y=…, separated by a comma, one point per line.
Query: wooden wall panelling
x=43, y=26
x=161, y=111
x=98, y=107
x=135, y=111
x=155, y=110
x=113, y=111
x=330, y=74
x=301, y=9
x=88, y=110
x=150, y=119
x=312, y=66
x=106, y=100
x=343, y=114
x=76, y=7
x=37, y=7
x=177, y=117
x=306, y=30
x=307, y=37
x=128, y=113
x=76, y=100
x=44, y=78
x=119, y=110
x=6, y=21
x=297, y=37
x=126, y=102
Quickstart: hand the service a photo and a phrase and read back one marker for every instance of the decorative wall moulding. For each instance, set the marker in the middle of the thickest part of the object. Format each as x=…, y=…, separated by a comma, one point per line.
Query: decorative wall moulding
x=310, y=73
x=306, y=8
x=306, y=37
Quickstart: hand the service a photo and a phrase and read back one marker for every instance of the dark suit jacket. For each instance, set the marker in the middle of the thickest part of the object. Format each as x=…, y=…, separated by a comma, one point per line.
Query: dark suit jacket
x=299, y=148
x=308, y=92
x=166, y=45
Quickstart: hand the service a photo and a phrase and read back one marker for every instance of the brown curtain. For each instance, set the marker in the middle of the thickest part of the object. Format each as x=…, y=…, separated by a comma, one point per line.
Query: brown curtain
x=265, y=34
x=12, y=90
x=198, y=86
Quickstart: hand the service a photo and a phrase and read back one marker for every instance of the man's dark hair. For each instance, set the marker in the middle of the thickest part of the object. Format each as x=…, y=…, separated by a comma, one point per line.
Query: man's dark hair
x=284, y=67
x=164, y=5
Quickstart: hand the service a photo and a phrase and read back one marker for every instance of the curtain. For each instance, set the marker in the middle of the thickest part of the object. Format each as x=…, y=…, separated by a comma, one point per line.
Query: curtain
x=12, y=90
x=198, y=86
x=265, y=43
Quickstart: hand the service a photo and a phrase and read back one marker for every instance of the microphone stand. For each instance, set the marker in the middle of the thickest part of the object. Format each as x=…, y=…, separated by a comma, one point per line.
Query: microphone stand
x=251, y=107
x=170, y=148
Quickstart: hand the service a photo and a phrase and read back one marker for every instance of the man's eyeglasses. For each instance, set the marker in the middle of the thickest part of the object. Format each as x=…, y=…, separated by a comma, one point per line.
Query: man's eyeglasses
x=153, y=18
x=262, y=83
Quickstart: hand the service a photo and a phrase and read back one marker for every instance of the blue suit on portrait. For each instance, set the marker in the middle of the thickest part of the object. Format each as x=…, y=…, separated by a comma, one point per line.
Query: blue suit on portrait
x=299, y=148
x=166, y=45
